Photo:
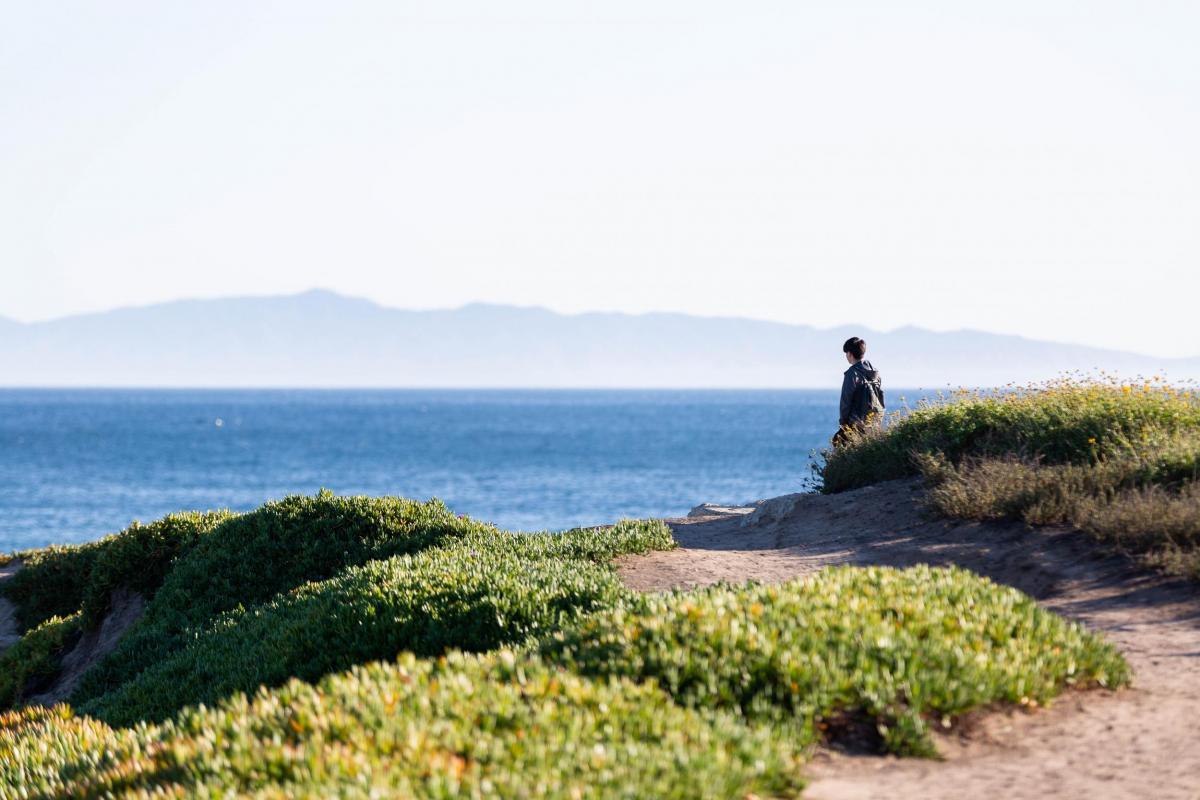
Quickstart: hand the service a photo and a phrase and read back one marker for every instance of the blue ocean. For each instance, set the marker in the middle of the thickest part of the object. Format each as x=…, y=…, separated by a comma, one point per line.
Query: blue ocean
x=76, y=465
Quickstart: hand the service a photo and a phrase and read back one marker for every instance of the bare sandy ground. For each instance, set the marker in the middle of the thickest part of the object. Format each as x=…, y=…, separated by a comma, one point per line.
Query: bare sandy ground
x=1141, y=743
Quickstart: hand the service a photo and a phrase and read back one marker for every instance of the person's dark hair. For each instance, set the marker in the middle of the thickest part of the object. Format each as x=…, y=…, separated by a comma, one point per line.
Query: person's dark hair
x=856, y=347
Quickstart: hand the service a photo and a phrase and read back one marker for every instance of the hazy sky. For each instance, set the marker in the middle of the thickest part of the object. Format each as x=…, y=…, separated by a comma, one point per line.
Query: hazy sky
x=1023, y=167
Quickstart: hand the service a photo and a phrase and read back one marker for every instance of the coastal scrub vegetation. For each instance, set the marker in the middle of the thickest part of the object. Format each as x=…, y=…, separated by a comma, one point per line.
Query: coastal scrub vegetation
x=344, y=646
x=1118, y=460
x=472, y=596
x=251, y=558
x=463, y=726
x=892, y=648
x=59, y=581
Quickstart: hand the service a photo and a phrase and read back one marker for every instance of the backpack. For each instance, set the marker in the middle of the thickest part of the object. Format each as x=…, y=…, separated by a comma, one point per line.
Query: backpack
x=868, y=398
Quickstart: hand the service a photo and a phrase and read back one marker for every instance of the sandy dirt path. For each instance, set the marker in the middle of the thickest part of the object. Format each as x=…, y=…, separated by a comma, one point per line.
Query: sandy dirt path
x=1141, y=743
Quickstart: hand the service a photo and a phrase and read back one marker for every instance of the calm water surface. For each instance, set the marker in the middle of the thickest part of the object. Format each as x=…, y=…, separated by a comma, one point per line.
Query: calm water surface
x=78, y=464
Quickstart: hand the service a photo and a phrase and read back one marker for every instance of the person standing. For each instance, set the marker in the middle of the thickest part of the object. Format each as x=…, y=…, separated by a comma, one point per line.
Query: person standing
x=862, y=403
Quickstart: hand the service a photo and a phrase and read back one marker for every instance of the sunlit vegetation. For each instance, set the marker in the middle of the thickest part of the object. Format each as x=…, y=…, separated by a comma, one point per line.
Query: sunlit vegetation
x=467, y=726
x=348, y=646
x=1119, y=460
x=897, y=649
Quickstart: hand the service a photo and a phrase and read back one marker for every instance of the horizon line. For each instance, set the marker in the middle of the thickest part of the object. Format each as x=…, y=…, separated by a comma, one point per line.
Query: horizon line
x=832, y=387
x=463, y=306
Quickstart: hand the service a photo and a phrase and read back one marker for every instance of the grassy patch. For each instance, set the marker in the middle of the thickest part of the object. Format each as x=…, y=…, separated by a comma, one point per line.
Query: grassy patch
x=1058, y=423
x=896, y=647
x=1112, y=500
x=1119, y=461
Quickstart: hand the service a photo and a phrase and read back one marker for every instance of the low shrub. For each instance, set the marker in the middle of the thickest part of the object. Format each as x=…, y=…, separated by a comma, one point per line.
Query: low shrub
x=869, y=457
x=464, y=726
x=1160, y=525
x=1009, y=488
x=1117, y=501
x=1116, y=460
x=1064, y=422
x=599, y=544
x=710, y=693
x=285, y=543
x=493, y=589
x=248, y=559
x=140, y=557
x=894, y=647
x=51, y=582
x=60, y=580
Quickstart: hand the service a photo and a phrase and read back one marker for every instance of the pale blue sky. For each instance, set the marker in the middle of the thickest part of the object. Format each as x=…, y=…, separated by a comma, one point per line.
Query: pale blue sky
x=1022, y=167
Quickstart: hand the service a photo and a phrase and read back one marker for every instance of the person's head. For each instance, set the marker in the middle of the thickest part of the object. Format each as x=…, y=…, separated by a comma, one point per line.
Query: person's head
x=855, y=349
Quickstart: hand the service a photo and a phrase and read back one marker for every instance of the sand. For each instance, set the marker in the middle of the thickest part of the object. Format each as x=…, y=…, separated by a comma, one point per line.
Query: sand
x=1142, y=742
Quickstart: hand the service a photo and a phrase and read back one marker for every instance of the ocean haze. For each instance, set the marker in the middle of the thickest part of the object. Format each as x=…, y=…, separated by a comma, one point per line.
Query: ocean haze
x=323, y=339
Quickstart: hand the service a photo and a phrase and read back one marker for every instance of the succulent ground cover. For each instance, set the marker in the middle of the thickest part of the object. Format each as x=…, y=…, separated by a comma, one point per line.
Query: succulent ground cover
x=898, y=649
x=328, y=646
x=464, y=726
x=59, y=581
x=473, y=596
x=250, y=559
x=1118, y=460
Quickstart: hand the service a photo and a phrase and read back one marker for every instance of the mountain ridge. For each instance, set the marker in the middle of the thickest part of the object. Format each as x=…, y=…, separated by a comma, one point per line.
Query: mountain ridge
x=322, y=338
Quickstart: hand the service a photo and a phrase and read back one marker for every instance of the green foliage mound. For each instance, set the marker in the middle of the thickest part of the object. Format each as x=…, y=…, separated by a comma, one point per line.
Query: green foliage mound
x=51, y=582
x=256, y=555
x=490, y=589
x=465, y=726
x=140, y=557
x=1064, y=422
x=896, y=647
x=598, y=545
x=711, y=693
x=250, y=558
x=59, y=581
x=1119, y=461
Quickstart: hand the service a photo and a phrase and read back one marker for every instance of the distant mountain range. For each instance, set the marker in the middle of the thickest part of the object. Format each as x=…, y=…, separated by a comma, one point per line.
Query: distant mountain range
x=319, y=338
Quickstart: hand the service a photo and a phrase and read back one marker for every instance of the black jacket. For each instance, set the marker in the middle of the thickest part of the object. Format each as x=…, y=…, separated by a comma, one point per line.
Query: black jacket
x=858, y=376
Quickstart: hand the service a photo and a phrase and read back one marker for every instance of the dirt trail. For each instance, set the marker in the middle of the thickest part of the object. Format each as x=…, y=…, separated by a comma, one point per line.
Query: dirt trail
x=1140, y=743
